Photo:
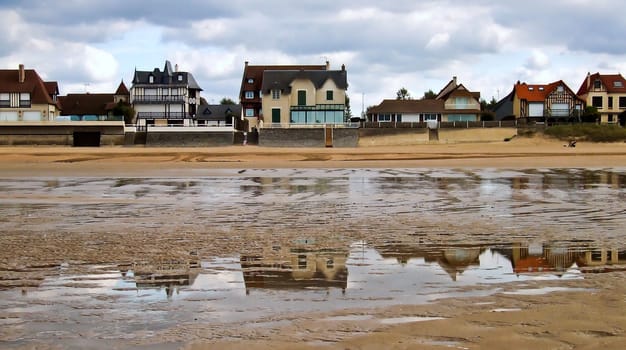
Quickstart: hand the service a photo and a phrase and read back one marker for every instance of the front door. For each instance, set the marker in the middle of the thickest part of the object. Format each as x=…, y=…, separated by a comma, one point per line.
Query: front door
x=329, y=136
x=275, y=115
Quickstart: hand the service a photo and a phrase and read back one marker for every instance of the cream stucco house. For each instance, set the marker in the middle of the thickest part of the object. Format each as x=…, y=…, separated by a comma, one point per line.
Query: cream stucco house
x=304, y=97
x=605, y=92
x=25, y=97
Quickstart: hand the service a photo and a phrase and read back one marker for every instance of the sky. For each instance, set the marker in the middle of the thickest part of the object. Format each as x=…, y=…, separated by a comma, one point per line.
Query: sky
x=92, y=45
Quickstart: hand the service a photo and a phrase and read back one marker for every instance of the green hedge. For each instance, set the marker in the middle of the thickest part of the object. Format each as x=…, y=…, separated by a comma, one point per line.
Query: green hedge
x=588, y=132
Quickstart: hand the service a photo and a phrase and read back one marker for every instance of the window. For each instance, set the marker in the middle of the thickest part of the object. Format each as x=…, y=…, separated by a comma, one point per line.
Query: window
x=250, y=80
x=180, y=77
x=597, y=84
x=560, y=88
x=610, y=118
x=384, y=117
x=329, y=95
x=301, y=97
x=249, y=95
x=4, y=100
x=151, y=79
x=249, y=112
x=596, y=101
x=610, y=104
x=25, y=100
x=275, y=94
x=618, y=84
x=428, y=117
x=622, y=102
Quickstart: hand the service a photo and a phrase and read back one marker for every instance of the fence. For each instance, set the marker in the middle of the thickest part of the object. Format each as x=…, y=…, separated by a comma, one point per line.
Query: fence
x=442, y=125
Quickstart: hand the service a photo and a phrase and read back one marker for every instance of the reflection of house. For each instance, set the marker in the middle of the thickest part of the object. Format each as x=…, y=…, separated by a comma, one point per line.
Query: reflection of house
x=602, y=257
x=539, y=102
x=296, y=268
x=251, y=84
x=605, y=92
x=452, y=104
x=452, y=259
x=91, y=107
x=165, y=97
x=25, y=97
x=218, y=115
x=543, y=258
x=167, y=273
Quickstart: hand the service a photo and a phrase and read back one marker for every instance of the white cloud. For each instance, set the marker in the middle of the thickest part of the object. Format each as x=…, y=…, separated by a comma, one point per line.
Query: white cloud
x=438, y=41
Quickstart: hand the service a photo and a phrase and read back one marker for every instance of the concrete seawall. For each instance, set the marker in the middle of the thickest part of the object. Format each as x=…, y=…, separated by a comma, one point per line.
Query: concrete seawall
x=308, y=137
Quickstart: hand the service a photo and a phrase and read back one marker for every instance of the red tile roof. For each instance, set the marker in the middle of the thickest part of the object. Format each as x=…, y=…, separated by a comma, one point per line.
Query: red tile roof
x=122, y=89
x=538, y=92
x=9, y=82
x=613, y=83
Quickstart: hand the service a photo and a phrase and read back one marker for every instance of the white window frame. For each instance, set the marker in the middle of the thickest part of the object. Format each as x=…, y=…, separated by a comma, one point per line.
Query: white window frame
x=275, y=94
x=249, y=112
x=249, y=95
x=151, y=79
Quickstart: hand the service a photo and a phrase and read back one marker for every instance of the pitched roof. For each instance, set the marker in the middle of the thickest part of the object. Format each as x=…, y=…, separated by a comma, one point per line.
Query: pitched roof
x=166, y=77
x=122, y=89
x=9, y=82
x=613, y=83
x=85, y=104
x=252, y=79
x=538, y=92
x=217, y=112
x=409, y=106
x=452, y=86
x=282, y=79
x=52, y=87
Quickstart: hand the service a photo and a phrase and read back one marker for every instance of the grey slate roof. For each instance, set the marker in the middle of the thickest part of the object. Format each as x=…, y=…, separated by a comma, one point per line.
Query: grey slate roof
x=217, y=112
x=282, y=79
x=166, y=77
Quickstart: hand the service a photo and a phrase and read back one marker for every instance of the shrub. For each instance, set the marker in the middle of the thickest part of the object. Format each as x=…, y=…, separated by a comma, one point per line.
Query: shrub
x=588, y=132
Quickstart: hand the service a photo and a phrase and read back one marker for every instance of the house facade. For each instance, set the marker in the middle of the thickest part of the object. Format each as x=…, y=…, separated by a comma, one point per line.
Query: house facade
x=218, y=115
x=540, y=102
x=25, y=97
x=605, y=92
x=453, y=103
x=304, y=97
x=250, y=96
x=94, y=107
x=165, y=97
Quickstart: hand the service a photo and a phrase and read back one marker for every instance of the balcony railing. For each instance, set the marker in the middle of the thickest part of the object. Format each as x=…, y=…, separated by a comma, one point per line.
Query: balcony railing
x=162, y=115
x=159, y=98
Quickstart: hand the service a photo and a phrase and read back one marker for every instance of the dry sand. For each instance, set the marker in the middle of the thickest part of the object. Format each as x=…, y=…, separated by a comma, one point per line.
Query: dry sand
x=592, y=318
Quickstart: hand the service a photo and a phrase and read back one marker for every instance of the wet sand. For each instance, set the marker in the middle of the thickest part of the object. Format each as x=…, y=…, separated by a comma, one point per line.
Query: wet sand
x=589, y=316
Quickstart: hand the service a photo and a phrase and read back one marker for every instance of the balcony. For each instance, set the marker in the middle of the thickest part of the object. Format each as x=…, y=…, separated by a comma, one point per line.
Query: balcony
x=162, y=115
x=158, y=99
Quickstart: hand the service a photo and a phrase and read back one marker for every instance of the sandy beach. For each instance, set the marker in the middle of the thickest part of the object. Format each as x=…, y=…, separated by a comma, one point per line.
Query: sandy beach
x=589, y=313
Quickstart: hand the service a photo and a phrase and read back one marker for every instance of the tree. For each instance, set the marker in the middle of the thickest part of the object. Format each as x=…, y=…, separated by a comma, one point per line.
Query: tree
x=348, y=113
x=227, y=101
x=484, y=106
x=429, y=95
x=126, y=110
x=403, y=94
x=590, y=115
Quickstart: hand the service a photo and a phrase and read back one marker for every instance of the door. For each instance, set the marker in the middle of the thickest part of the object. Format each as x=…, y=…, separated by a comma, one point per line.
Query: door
x=329, y=136
x=560, y=110
x=275, y=115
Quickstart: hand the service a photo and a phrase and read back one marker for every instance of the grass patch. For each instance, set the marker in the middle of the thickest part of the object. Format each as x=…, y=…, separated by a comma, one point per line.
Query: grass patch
x=588, y=132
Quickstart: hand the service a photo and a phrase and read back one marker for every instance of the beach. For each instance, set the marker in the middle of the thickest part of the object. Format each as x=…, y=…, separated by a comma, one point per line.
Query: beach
x=586, y=313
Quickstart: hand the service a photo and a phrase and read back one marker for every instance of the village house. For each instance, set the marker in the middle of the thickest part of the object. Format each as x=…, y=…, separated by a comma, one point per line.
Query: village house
x=218, y=115
x=168, y=97
x=304, y=97
x=250, y=96
x=540, y=102
x=454, y=103
x=25, y=97
x=94, y=107
x=605, y=92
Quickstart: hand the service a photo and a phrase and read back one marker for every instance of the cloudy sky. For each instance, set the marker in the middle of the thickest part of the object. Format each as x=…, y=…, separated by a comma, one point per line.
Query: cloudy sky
x=90, y=45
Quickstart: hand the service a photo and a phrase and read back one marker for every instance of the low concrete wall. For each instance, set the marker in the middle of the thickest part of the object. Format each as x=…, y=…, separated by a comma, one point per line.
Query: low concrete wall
x=307, y=137
x=58, y=133
x=189, y=139
x=392, y=137
x=36, y=140
x=476, y=135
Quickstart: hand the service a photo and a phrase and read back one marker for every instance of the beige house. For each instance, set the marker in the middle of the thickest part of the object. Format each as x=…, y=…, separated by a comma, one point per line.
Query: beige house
x=605, y=92
x=304, y=97
x=25, y=97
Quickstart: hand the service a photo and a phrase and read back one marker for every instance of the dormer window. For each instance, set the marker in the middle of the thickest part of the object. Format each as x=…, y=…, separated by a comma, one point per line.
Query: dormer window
x=180, y=77
x=560, y=88
x=618, y=84
x=530, y=88
x=151, y=79
x=250, y=80
x=249, y=95
x=597, y=84
x=541, y=88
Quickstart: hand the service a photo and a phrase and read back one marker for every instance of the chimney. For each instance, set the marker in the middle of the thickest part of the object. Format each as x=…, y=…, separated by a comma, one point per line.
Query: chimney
x=343, y=67
x=454, y=80
x=22, y=75
x=246, y=63
x=176, y=68
x=588, y=79
x=327, y=65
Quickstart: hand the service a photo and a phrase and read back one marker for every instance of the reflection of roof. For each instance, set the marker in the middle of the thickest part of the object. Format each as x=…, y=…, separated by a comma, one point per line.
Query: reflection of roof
x=283, y=279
